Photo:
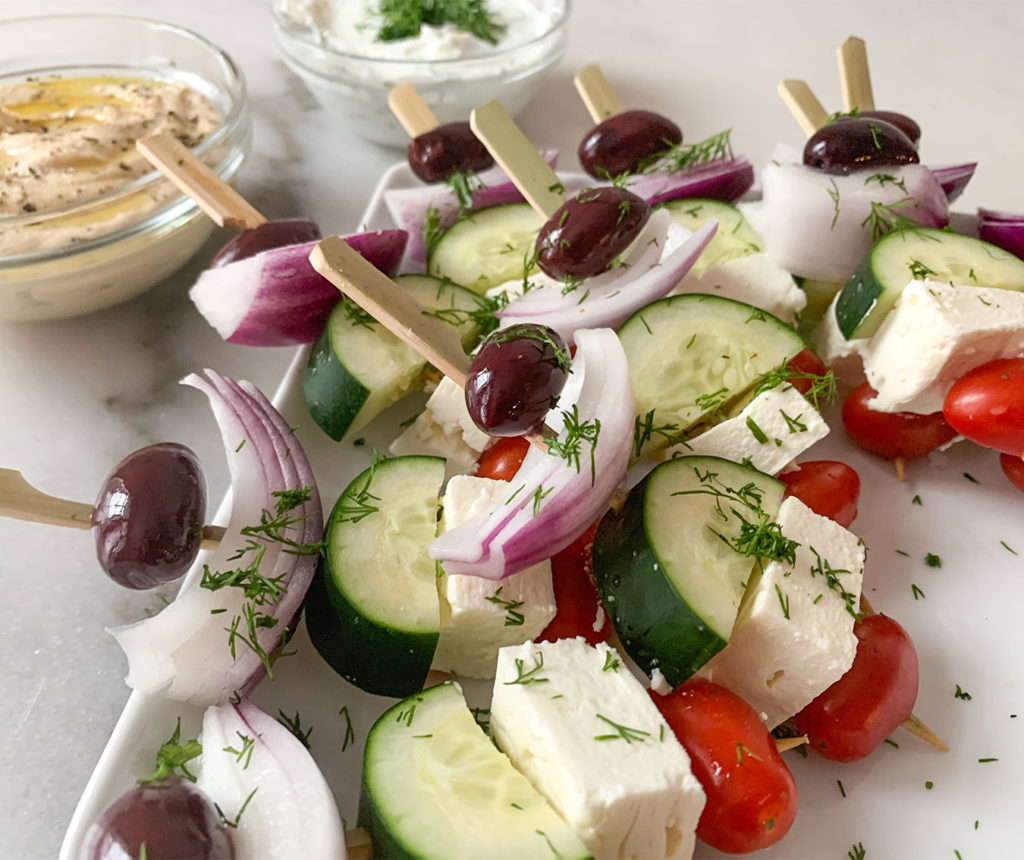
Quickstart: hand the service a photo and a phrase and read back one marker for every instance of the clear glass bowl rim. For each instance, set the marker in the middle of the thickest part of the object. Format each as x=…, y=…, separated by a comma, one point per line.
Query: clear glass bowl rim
x=232, y=122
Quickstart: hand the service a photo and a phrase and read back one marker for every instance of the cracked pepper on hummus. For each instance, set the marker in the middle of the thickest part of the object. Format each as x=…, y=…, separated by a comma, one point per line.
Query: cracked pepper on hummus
x=66, y=141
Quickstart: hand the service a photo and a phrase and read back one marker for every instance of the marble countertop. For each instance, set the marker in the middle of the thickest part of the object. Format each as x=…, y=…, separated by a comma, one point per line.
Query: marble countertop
x=79, y=394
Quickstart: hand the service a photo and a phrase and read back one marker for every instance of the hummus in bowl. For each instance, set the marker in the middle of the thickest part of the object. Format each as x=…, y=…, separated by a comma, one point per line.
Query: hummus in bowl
x=85, y=223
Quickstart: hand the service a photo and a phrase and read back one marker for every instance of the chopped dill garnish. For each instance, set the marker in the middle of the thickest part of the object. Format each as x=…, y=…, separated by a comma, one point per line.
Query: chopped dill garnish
x=294, y=725
x=172, y=757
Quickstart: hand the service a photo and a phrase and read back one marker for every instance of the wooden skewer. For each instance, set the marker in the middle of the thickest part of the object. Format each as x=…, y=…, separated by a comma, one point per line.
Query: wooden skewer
x=358, y=844
x=783, y=744
x=397, y=311
x=854, y=76
x=212, y=194
x=411, y=111
x=803, y=104
x=912, y=724
x=518, y=157
x=901, y=469
x=21, y=501
x=597, y=93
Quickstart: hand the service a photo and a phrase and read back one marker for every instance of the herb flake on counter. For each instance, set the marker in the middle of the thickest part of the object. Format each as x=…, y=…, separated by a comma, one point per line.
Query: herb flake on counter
x=932, y=560
x=1008, y=548
x=294, y=725
x=842, y=789
x=916, y=500
x=971, y=478
x=961, y=693
x=350, y=735
x=857, y=852
x=916, y=591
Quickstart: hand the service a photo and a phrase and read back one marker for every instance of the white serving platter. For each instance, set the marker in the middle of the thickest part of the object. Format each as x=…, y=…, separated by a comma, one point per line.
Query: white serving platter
x=965, y=628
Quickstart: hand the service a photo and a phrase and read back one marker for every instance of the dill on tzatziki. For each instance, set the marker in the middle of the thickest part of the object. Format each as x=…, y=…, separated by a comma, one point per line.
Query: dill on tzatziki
x=425, y=29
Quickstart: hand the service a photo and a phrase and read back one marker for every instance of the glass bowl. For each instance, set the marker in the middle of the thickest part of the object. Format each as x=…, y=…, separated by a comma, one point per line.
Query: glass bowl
x=355, y=86
x=140, y=233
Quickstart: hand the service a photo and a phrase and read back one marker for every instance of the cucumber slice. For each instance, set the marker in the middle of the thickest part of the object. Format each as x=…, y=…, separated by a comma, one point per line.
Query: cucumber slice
x=487, y=247
x=435, y=786
x=691, y=354
x=665, y=564
x=819, y=296
x=734, y=238
x=358, y=368
x=373, y=613
x=899, y=258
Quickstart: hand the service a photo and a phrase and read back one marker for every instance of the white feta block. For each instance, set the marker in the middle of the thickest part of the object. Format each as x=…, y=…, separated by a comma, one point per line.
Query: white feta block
x=793, y=637
x=479, y=616
x=754, y=279
x=583, y=730
x=933, y=336
x=445, y=429
x=772, y=430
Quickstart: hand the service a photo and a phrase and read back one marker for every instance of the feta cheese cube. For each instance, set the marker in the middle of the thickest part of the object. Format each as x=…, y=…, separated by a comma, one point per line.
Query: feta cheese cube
x=793, y=637
x=933, y=336
x=582, y=729
x=445, y=429
x=770, y=432
x=479, y=616
x=753, y=279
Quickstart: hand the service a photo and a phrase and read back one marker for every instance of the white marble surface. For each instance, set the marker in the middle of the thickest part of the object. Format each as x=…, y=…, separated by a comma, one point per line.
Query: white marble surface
x=78, y=395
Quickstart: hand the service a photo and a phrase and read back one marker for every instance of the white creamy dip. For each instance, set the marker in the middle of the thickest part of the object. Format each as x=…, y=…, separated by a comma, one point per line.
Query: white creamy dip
x=351, y=26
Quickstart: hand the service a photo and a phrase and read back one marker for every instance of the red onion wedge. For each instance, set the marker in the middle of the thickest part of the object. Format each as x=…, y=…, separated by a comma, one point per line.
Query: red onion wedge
x=954, y=178
x=724, y=179
x=287, y=809
x=820, y=226
x=218, y=638
x=1003, y=229
x=274, y=298
x=551, y=501
x=408, y=206
x=657, y=261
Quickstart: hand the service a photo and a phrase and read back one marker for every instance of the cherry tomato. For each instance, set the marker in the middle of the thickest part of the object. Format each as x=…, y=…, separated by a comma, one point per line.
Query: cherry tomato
x=861, y=709
x=751, y=795
x=827, y=487
x=576, y=598
x=502, y=460
x=1013, y=468
x=806, y=362
x=892, y=434
x=987, y=405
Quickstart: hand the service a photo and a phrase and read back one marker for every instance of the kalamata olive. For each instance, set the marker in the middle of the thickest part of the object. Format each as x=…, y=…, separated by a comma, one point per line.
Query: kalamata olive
x=149, y=516
x=273, y=234
x=447, y=149
x=590, y=230
x=172, y=820
x=625, y=142
x=903, y=122
x=515, y=379
x=855, y=143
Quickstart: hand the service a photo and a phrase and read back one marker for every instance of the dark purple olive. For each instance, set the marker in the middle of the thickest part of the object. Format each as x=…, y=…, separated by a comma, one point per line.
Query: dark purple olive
x=903, y=122
x=172, y=820
x=626, y=142
x=273, y=234
x=590, y=230
x=515, y=379
x=451, y=148
x=855, y=143
x=149, y=516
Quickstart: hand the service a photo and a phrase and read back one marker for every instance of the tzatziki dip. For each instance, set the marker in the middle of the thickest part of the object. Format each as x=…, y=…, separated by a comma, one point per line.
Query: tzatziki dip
x=457, y=56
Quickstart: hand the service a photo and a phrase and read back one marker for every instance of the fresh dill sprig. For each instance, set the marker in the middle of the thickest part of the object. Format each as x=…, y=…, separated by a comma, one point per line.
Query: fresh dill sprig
x=483, y=316
x=513, y=617
x=686, y=156
x=354, y=503
x=433, y=230
x=821, y=567
x=350, y=735
x=528, y=676
x=172, y=758
x=644, y=429
x=823, y=386
x=244, y=750
x=402, y=19
x=884, y=218
x=624, y=733
x=356, y=315
x=540, y=334
x=294, y=725
x=576, y=433
x=463, y=186
x=233, y=822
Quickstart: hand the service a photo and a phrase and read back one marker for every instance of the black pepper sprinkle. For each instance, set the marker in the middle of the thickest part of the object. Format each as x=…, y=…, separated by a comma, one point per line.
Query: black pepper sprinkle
x=28, y=207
